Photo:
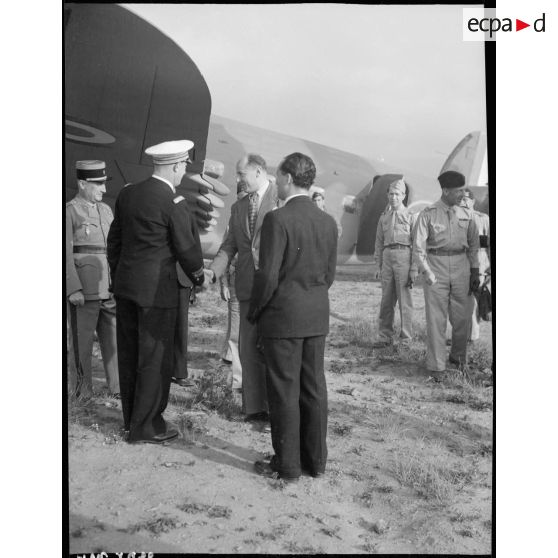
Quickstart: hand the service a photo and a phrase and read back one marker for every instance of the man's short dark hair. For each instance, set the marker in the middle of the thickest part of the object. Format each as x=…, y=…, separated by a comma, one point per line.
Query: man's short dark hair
x=301, y=168
x=255, y=160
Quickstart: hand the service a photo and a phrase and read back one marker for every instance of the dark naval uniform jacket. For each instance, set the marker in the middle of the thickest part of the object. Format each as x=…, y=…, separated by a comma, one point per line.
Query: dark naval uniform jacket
x=298, y=255
x=151, y=231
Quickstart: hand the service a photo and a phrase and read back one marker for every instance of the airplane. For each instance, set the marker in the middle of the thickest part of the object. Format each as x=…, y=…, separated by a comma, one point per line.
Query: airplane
x=129, y=86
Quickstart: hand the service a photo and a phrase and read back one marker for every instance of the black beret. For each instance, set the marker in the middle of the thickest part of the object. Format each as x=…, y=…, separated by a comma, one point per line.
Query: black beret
x=451, y=179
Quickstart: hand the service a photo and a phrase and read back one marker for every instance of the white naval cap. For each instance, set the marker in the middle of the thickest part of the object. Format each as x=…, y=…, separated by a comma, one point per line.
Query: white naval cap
x=169, y=152
x=398, y=184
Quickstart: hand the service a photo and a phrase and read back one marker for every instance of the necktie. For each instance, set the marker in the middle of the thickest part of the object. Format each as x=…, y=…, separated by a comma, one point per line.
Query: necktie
x=253, y=214
x=392, y=232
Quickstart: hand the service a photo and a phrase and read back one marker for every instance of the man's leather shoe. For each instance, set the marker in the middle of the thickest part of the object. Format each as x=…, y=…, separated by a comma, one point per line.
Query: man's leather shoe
x=264, y=469
x=170, y=434
x=381, y=344
x=184, y=382
x=455, y=361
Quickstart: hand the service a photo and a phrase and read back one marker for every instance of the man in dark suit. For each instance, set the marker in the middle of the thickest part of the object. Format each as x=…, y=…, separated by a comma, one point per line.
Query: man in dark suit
x=151, y=231
x=243, y=238
x=291, y=306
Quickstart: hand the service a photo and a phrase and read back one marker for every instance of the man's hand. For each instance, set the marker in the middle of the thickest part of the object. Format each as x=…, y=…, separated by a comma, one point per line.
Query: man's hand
x=225, y=292
x=412, y=278
x=429, y=277
x=209, y=276
x=474, y=280
x=77, y=298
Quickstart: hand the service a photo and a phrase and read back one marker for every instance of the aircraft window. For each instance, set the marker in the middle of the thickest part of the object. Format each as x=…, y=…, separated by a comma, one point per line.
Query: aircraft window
x=349, y=204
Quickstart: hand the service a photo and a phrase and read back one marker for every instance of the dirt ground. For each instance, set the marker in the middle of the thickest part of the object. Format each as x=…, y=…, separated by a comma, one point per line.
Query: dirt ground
x=409, y=468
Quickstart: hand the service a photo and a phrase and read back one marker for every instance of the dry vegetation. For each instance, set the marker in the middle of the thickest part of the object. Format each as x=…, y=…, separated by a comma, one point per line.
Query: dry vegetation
x=409, y=469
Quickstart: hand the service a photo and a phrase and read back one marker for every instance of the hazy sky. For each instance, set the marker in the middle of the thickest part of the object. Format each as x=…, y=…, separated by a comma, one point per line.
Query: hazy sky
x=389, y=82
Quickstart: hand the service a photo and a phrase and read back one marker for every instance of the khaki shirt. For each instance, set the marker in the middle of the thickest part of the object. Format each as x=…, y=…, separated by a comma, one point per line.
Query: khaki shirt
x=395, y=227
x=443, y=227
x=87, y=224
x=483, y=224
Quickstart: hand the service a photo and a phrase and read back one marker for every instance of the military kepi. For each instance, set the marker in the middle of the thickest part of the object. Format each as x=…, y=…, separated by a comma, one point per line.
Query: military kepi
x=92, y=171
x=169, y=152
x=451, y=179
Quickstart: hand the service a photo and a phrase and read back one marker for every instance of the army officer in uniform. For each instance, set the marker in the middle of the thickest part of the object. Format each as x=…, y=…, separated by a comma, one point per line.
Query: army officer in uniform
x=91, y=306
x=446, y=249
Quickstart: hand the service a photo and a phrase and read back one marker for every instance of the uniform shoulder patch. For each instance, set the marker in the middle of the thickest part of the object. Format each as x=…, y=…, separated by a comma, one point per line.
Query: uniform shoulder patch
x=178, y=199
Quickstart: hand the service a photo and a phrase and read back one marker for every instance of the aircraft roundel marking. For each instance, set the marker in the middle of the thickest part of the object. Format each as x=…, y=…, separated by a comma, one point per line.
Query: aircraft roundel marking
x=94, y=136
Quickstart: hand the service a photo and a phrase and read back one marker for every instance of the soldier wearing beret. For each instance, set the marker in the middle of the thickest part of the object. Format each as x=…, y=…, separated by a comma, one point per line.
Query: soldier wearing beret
x=151, y=231
x=446, y=249
x=398, y=271
x=91, y=307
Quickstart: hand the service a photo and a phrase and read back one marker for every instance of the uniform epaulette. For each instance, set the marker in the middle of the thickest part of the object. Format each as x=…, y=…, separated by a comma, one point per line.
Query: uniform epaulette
x=178, y=199
x=433, y=206
x=71, y=202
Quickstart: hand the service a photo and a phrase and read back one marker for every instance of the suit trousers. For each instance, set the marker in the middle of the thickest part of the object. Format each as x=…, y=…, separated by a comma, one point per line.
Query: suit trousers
x=233, y=321
x=254, y=394
x=99, y=316
x=181, y=335
x=449, y=296
x=395, y=276
x=297, y=395
x=145, y=361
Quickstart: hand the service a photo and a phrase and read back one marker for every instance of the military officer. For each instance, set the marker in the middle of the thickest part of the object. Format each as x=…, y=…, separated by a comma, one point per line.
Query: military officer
x=152, y=230
x=483, y=225
x=398, y=271
x=446, y=249
x=91, y=306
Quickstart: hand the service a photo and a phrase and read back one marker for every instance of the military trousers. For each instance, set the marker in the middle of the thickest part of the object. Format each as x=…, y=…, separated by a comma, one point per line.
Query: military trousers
x=181, y=339
x=297, y=395
x=449, y=296
x=94, y=316
x=254, y=394
x=396, y=264
x=145, y=362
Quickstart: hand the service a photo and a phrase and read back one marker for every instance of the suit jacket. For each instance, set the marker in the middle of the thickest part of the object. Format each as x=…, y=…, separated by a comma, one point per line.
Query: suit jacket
x=151, y=231
x=298, y=256
x=237, y=241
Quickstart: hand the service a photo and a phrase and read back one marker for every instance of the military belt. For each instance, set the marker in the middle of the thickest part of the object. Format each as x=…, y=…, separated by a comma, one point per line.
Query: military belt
x=90, y=250
x=443, y=252
x=396, y=246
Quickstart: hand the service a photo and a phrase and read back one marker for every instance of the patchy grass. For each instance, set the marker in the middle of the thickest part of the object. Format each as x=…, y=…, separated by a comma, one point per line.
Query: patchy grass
x=431, y=471
x=156, y=526
x=211, y=511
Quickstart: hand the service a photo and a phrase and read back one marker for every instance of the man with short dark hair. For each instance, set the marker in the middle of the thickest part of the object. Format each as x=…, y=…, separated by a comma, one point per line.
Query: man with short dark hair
x=243, y=238
x=151, y=231
x=446, y=249
x=291, y=307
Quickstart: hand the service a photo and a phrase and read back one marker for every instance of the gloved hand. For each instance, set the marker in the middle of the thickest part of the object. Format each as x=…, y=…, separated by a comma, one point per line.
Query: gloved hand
x=412, y=278
x=474, y=280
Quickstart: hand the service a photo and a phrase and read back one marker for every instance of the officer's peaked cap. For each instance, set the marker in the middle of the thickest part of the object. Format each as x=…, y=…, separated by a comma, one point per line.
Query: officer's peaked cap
x=451, y=179
x=92, y=171
x=169, y=152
